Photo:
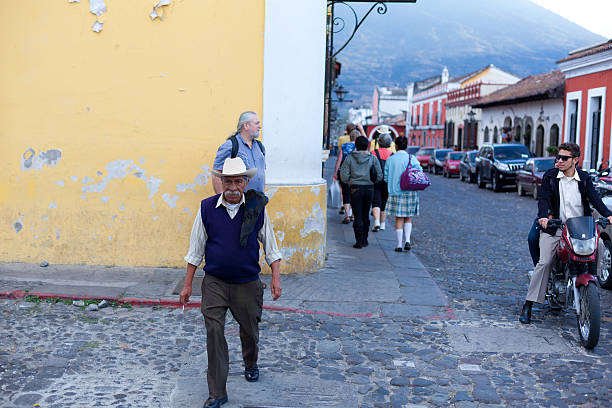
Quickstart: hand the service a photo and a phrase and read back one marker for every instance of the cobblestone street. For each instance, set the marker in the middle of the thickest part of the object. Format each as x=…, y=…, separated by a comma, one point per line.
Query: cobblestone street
x=472, y=241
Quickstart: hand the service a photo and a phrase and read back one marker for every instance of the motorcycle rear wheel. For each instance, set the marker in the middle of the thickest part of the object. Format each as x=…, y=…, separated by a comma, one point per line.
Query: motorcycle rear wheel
x=589, y=319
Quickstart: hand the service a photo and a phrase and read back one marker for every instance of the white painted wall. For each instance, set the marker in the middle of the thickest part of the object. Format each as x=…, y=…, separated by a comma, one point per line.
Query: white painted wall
x=294, y=75
x=390, y=106
x=553, y=114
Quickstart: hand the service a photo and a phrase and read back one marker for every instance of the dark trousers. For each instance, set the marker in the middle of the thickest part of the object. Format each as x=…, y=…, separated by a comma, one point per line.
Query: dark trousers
x=245, y=301
x=533, y=240
x=361, y=200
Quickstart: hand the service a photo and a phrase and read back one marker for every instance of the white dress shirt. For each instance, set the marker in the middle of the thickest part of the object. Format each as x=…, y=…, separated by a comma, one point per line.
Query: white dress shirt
x=197, y=242
x=570, y=201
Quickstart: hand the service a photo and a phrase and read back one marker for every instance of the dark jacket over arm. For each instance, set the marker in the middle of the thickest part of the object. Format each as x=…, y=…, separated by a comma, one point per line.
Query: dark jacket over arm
x=549, y=202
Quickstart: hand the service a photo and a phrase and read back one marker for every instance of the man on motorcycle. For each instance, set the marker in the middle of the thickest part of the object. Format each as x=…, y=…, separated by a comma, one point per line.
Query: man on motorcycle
x=565, y=192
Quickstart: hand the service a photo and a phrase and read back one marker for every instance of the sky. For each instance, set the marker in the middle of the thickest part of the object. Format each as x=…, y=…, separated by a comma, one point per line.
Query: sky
x=594, y=15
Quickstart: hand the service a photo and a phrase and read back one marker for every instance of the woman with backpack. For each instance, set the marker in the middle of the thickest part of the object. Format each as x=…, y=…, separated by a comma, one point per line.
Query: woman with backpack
x=361, y=171
x=402, y=203
x=381, y=192
x=345, y=150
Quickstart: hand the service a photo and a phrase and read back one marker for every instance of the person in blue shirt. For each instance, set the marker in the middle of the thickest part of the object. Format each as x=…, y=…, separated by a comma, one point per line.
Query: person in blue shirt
x=250, y=150
x=402, y=204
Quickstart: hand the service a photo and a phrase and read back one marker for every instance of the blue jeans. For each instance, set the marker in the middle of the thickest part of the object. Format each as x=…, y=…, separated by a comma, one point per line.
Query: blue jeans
x=534, y=242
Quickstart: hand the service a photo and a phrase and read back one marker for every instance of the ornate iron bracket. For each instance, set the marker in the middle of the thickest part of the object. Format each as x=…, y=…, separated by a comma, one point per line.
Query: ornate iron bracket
x=381, y=8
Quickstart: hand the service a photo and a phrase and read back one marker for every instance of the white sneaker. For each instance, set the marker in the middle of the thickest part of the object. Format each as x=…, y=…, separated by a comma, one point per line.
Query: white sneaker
x=382, y=226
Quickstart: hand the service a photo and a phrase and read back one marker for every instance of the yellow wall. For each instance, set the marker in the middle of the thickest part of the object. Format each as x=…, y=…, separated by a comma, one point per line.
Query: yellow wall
x=299, y=216
x=140, y=103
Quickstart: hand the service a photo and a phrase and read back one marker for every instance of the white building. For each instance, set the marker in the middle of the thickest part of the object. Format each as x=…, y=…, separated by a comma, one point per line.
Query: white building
x=528, y=112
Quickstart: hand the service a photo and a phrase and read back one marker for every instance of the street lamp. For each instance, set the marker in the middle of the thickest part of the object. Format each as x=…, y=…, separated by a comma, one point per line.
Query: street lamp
x=471, y=134
x=340, y=92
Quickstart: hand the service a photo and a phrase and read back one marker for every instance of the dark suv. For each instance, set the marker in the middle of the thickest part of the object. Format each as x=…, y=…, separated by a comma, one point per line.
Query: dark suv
x=498, y=164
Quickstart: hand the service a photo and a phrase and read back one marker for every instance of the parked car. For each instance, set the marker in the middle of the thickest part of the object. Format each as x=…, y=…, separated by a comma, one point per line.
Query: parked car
x=529, y=178
x=436, y=160
x=451, y=163
x=498, y=164
x=423, y=155
x=413, y=149
x=467, y=167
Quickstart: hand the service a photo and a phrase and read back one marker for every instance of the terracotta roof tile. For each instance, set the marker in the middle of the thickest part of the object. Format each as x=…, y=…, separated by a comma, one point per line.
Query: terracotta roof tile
x=534, y=87
x=583, y=52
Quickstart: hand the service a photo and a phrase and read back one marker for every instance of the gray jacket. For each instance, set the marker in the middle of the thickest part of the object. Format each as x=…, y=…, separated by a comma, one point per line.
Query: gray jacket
x=356, y=169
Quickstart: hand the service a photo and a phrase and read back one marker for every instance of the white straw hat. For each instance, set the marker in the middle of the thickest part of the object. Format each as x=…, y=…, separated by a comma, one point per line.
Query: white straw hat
x=235, y=167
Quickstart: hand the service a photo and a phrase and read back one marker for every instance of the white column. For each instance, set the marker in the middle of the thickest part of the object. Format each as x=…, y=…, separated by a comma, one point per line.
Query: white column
x=293, y=90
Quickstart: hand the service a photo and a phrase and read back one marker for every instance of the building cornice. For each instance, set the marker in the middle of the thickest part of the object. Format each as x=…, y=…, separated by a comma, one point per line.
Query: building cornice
x=589, y=64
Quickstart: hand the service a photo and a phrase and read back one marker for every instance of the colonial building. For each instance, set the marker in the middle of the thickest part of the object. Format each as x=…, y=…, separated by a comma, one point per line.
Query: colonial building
x=588, y=102
x=528, y=112
x=461, y=124
x=426, y=106
x=387, y=103
x=110, y=122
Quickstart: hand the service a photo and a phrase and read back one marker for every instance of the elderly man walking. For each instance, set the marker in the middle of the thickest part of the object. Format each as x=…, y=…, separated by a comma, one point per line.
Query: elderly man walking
x=226, y=232
x=244, y=144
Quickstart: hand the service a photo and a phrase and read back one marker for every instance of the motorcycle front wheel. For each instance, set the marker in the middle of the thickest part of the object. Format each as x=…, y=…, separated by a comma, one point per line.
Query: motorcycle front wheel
x=589, y=318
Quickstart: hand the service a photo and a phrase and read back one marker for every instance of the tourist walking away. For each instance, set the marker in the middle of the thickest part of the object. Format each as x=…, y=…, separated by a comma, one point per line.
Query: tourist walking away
x=244, y=144
x=361, y=171
x=565, y=192
x=381, y=192
x=226, y=232
x=345, y=151
x=403, y=204
x=382, y=130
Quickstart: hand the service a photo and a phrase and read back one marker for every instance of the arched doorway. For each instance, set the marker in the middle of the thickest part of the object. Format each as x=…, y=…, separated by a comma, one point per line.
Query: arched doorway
x=495, y=140
x=486, y=135
x=527, y=137
x=540, y=141
x=554, y=135
x=517, y=134
x=507, y=130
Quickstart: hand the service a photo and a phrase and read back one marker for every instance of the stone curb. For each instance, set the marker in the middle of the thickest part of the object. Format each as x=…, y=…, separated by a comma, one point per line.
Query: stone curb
x=171, y=303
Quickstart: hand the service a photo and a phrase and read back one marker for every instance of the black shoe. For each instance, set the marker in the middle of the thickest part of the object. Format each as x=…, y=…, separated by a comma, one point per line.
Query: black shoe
x=364, y=244
x=341, y=210
x=346, y=220
x=251, y=374
x=357, y=245
x=398, y=249
x=376, y=228
x=407, y=246
x=525, y=317
x=215, y=403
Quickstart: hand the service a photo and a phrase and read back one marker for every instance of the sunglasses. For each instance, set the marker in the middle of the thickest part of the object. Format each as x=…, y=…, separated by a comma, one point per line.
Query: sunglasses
x=562, y=157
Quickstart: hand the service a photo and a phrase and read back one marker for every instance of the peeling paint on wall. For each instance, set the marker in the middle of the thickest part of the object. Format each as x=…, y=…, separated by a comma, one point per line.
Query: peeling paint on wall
x=52, y=205
x=171, y=201
x=270, y=192
x=154, y=14
x=74, y=179
x=98, y=8
x=31, y=161
x=60, y=183
x=19, y=224
x=316, y=190
x=57, y=235
x=316, y=223
x=200, y=180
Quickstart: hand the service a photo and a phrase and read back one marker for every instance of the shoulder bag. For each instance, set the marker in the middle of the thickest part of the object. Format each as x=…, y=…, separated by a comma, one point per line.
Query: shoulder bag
x=413, y=179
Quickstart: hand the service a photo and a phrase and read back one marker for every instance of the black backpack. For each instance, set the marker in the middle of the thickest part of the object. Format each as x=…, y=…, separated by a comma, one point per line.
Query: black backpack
x=234, y=140
x=382, y=162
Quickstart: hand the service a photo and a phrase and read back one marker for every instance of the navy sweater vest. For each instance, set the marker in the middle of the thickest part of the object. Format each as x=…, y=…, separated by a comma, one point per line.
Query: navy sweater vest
x=224, y=258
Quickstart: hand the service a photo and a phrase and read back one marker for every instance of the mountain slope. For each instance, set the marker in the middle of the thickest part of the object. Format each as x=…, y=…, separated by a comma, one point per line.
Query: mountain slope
x=415, y=41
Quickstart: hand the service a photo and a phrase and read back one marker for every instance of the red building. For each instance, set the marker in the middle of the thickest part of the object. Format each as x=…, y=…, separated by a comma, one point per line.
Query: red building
x=587, y=118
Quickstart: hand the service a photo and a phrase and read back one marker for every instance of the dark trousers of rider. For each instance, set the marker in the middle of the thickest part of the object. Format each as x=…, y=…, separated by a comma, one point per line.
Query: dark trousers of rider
x=361, y=200
x=533, y=240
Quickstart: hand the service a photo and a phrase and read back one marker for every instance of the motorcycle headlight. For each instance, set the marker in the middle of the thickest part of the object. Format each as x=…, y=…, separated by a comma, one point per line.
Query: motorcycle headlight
x=503, y=166
x=583, y=246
